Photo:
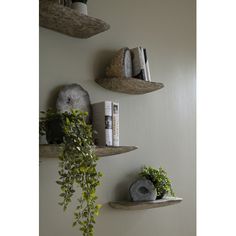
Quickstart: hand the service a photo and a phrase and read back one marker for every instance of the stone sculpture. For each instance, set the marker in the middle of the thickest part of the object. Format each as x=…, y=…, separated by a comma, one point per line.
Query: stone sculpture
x=121, y=64
x=143, y=190
x=73, y=96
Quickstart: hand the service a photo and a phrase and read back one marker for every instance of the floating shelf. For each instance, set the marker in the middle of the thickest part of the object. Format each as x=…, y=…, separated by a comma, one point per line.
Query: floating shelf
x=52, y=150
x=145, y=205
x=129, y=85
x=68, y=21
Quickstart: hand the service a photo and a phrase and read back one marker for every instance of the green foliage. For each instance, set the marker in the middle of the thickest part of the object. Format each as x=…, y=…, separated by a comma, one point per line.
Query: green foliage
x=160, y=180
x=77, y=167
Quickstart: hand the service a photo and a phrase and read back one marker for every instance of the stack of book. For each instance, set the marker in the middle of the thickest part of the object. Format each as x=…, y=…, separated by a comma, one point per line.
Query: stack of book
x=140, y=64
x=106, y=123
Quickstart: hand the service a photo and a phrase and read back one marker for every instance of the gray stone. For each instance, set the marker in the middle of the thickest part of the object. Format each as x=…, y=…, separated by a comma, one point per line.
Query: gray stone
x=73, y=96
x=143, y=190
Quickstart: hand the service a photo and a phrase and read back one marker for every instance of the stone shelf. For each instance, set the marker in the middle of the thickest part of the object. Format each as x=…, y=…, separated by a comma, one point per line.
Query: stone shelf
x=68, y=21
x=129, y=85
x=52, y=150
x=126, y=205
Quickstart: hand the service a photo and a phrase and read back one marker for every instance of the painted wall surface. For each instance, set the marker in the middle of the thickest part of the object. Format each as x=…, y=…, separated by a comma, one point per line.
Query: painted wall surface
x=161, y=124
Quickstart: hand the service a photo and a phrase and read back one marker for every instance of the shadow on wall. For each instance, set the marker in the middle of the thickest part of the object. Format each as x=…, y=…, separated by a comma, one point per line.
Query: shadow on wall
x=101, y=61
x=121, y=189
x=51, y=100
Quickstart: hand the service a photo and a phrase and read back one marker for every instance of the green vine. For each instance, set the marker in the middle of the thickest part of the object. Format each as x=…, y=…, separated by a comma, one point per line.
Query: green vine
x=77, y=166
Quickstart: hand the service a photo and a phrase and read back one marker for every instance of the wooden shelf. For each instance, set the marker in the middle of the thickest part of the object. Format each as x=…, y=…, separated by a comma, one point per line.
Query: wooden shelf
x=52, y=150
x=145, y=205
x=68, y=21
x=129, y=85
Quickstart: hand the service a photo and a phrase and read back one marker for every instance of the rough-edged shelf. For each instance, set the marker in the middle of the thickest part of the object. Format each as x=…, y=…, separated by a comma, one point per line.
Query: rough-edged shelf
x=145, y=205
x=68, y=21
x=52, y=150
x=129, y=85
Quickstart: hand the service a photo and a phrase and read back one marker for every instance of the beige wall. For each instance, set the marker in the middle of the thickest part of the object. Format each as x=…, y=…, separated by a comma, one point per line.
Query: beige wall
x=161, y=124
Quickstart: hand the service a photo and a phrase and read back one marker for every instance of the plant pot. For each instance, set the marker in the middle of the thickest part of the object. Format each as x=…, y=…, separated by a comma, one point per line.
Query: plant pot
x=54, y=131
x=80, y=7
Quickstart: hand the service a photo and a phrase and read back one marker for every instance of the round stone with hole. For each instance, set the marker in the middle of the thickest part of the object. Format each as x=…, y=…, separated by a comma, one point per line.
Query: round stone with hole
x=142, y=190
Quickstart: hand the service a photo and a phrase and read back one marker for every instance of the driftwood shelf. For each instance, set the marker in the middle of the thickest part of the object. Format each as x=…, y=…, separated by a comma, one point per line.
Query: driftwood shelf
x=52, y=150
x=68, y=21
x=129, y=85
x=145, y=205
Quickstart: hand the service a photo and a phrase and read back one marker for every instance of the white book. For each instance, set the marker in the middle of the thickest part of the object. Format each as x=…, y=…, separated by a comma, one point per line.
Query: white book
x=146, y=65
x=102, y=123
x=138, y=63
x=115, y=123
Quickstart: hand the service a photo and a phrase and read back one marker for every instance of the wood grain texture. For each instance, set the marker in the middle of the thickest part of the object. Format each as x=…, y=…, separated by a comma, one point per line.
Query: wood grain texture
x=146, y=204
x=68, y=21
x=129, y=85
x=52, y=150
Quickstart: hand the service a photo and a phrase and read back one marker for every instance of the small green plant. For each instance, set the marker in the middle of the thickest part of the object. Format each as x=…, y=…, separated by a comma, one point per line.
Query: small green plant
x=77, y=167
x=159, y=179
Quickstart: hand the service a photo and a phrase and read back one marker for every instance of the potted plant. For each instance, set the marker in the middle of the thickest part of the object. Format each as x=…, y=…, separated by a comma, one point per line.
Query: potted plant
x=159, y=179
x=77, y=167
x=80, y=5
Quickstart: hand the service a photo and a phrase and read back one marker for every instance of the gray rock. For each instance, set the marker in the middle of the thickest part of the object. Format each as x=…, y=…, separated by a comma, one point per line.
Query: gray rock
x=143, y=190
x=73, y=96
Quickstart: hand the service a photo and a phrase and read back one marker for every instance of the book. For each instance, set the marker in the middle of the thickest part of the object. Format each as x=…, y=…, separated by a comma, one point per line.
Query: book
x=138, y=63
x=147, y=69
x=102, y=123
x=115, y=123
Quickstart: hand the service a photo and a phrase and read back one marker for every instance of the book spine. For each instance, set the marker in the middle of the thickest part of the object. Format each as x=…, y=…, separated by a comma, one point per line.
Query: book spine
x=138, y=63
x=108, y=123
x=115, y=123
x=147, y=65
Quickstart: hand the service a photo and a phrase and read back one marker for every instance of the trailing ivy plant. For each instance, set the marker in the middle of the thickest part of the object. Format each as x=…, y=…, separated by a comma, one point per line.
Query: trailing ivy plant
x=159, y=179
x=77, y=166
